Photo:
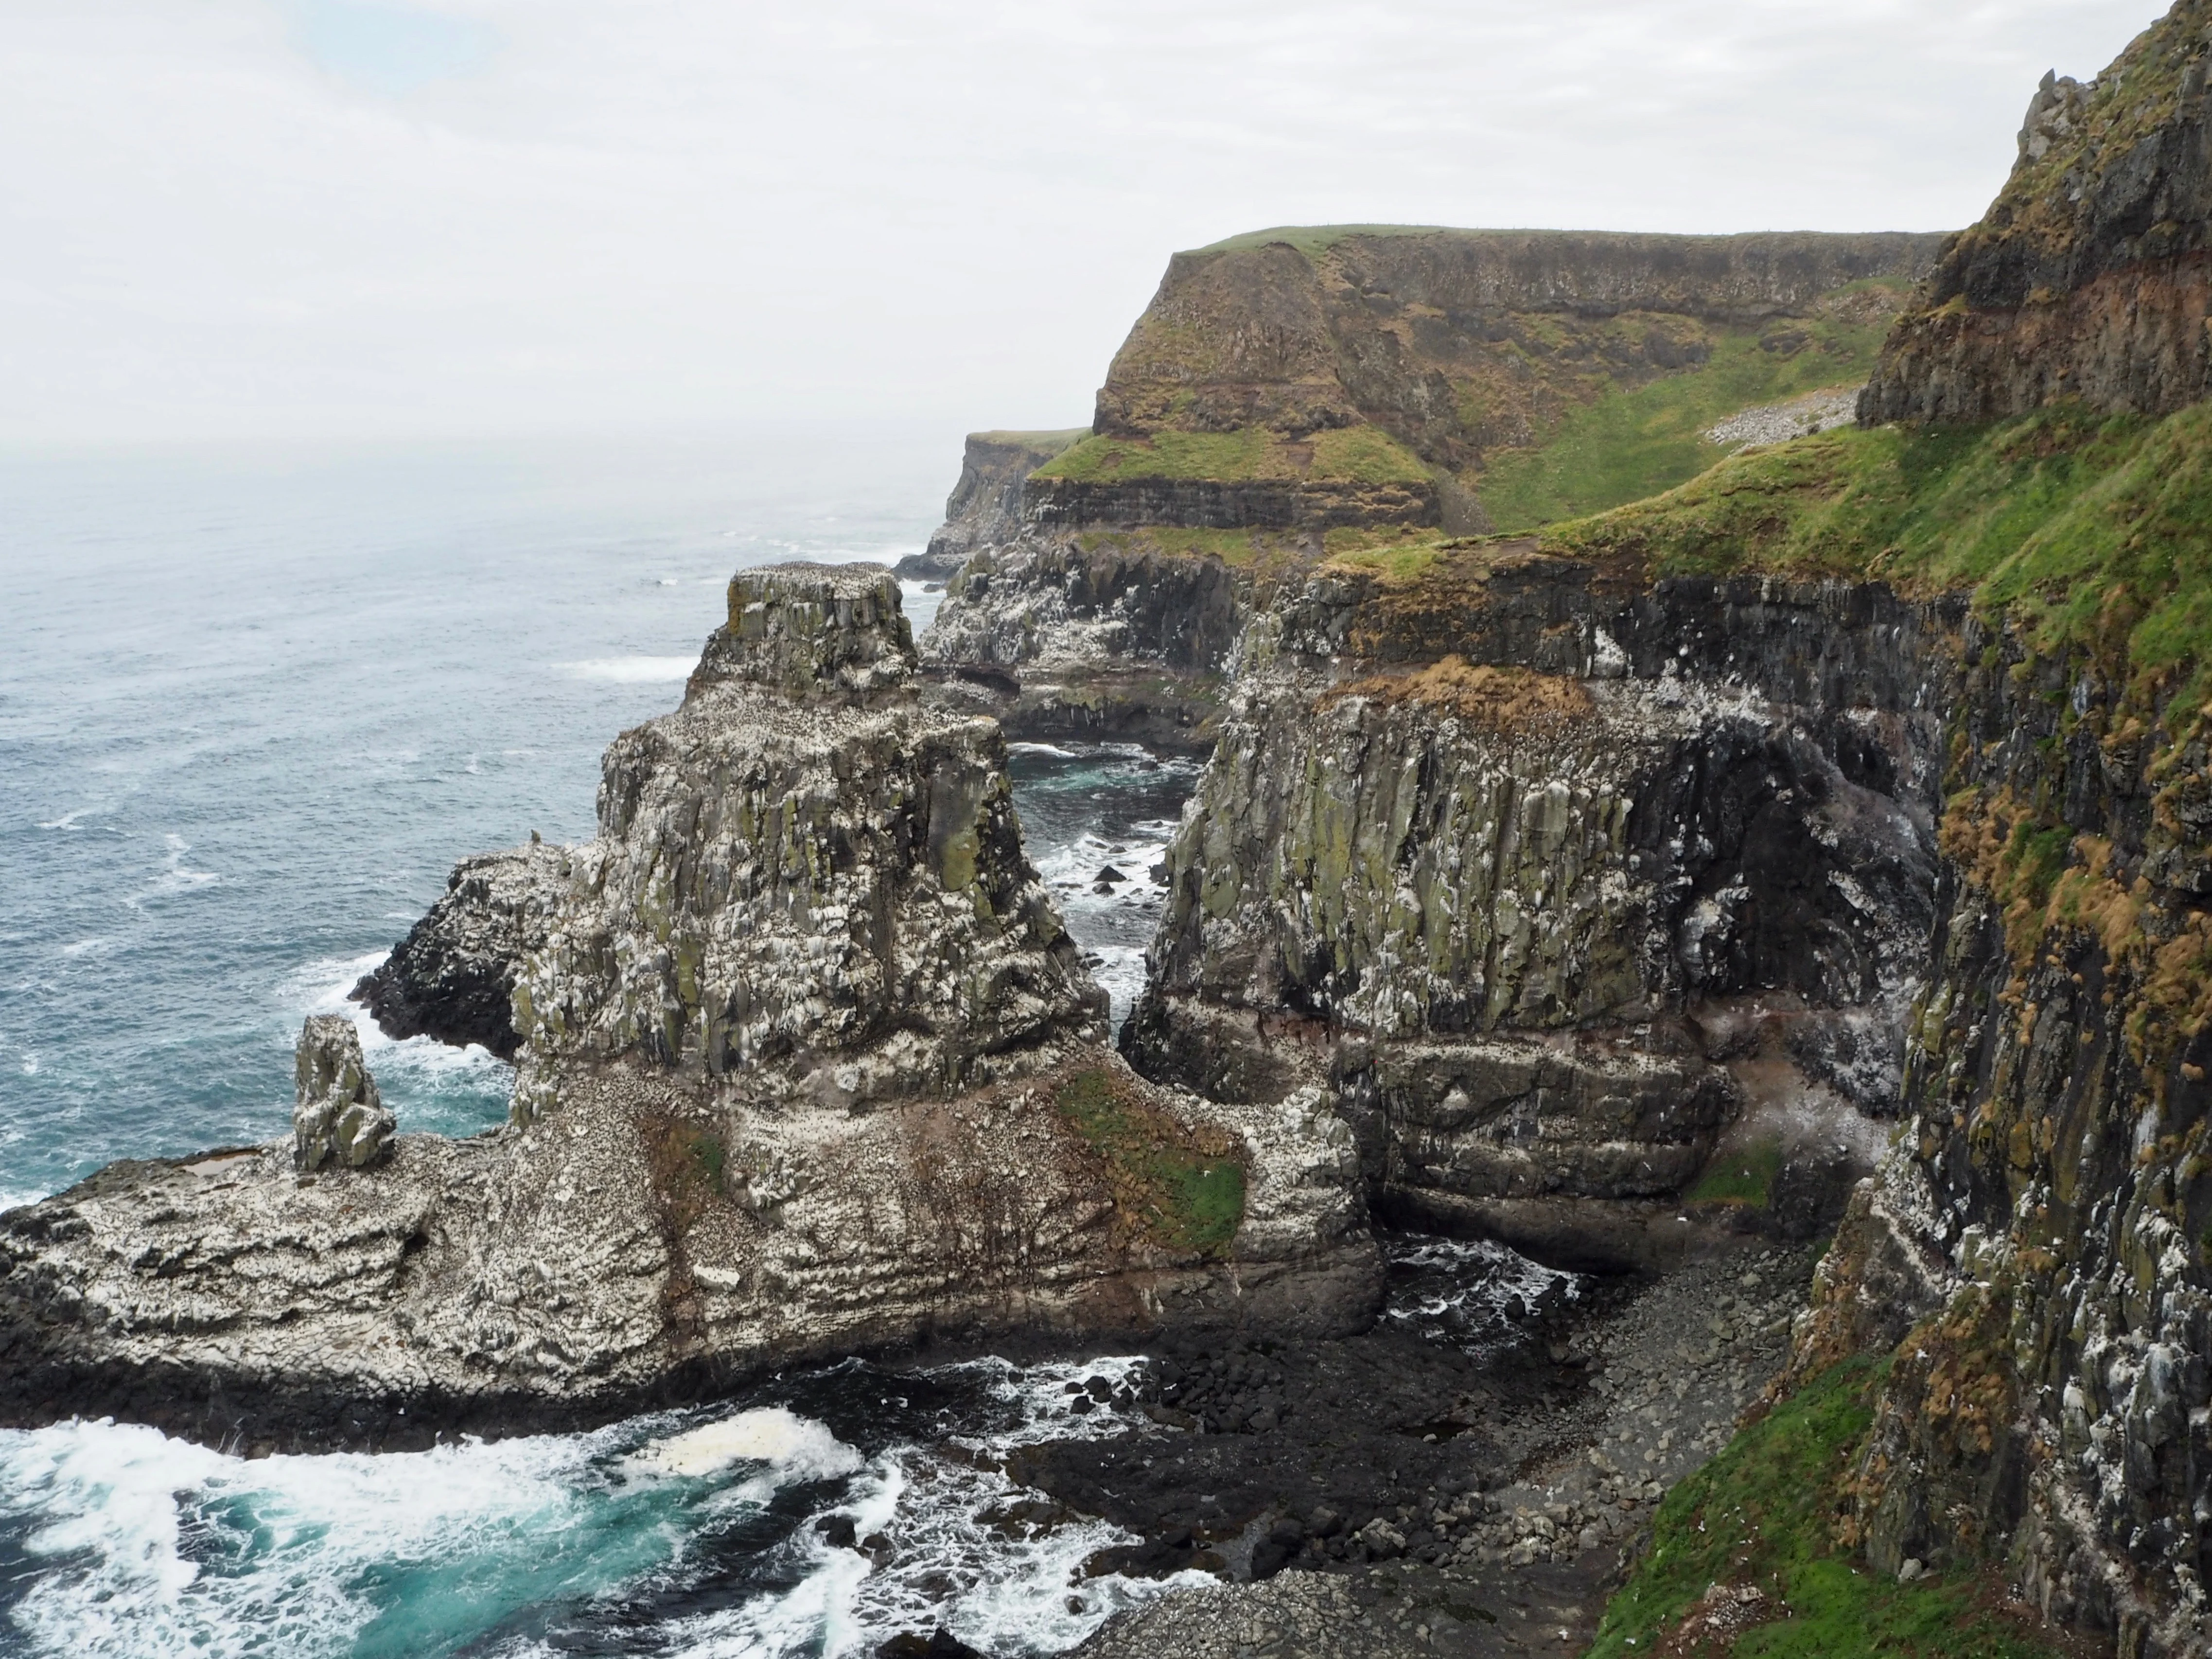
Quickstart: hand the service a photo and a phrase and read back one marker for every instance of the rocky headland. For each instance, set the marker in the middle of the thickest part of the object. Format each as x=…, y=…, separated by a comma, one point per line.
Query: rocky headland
x=1767, y=887
x=1295, y=393
x=806, y=1066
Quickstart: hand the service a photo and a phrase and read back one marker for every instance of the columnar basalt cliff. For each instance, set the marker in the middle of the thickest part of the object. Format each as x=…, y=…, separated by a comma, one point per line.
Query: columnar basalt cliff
x=1557, y=877
x=806, y=1066
x=1862, y=782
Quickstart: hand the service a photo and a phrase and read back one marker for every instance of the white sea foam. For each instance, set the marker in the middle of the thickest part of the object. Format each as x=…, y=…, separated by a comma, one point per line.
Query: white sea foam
x=67, y=821
x=633, y=671
x=1459, y=1289
x=174, y=878
x=1051, y=751
x=950, y=1564
x=307, y=1550
x=769, y=1435
x=84, y=947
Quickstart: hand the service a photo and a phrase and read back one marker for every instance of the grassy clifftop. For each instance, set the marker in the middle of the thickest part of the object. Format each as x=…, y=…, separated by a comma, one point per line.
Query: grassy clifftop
x=2087, y=528
x=1541, y=374
x=1358, y=454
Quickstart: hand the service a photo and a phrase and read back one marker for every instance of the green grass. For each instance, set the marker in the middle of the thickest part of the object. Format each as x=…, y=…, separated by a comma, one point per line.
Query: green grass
x=1313, y=239
x=1762, y=1513
x=1048, y=442
x=1744, y=1176
x=1358, y=454
x=1631, y=443
x=1238, y=547
x=1186, y=1195
x=2090, y=529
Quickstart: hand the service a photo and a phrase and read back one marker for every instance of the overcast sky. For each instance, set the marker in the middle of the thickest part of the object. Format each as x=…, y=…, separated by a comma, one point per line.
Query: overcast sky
x=336, y=217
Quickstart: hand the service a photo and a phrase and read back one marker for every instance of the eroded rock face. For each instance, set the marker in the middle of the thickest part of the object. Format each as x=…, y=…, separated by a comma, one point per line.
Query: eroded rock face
x=1109, y=608
x=1547, y=911
x=1299, y=336
x=2091, y=275
x=337, y=1116
x=1064, y=641
x=793, y=894
x=2036, y=1242
x=987, y=507
x=807, y=1066
x=453, y=976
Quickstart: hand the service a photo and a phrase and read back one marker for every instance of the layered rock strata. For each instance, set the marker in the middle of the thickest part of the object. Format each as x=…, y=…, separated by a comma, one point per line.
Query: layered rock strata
x=988, y=504
x=2091, y=275
x=1558, y=878
x=1455, y=343
x=806, y=1066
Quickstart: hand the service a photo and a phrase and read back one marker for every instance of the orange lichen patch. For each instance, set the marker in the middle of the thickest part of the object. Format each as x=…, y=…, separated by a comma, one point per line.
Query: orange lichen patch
x=1511, y=699
x=2051, y=883
x=1951, y=1395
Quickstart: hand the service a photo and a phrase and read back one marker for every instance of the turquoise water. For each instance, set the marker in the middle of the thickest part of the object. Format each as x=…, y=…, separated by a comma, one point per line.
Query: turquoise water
x=251, y=709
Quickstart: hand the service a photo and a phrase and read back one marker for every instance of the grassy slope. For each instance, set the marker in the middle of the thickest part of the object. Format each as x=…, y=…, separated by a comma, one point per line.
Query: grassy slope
x=1048, y=442
x=2090, y=529
x=1184, y=1190
x=1356, y=455
x=1629, y=445
x=1762, y=1514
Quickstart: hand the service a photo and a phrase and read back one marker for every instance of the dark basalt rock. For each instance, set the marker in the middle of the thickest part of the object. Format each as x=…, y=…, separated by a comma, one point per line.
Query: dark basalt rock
x=452, y=977
x=2091, y=275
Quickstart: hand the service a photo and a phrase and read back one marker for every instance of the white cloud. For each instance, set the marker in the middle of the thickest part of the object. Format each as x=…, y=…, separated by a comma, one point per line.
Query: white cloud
x=349, y=216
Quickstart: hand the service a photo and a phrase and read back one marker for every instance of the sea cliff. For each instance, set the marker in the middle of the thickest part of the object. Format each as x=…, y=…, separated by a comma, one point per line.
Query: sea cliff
x=1296, y=393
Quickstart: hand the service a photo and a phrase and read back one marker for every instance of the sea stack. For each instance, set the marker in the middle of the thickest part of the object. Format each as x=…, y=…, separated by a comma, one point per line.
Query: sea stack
x=807, y=1066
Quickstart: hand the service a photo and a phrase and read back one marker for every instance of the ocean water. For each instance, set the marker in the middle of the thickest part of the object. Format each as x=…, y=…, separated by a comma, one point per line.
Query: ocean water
x=253, y=708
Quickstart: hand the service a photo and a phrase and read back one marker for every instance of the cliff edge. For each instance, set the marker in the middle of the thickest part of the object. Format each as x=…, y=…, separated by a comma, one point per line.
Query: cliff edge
x=2090, y=277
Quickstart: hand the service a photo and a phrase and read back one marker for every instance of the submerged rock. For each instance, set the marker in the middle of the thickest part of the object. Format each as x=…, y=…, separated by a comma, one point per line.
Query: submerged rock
x=807, y=1066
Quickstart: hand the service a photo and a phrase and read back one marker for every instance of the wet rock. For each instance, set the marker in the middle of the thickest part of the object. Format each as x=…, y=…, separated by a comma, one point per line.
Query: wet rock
x=453, y=976
x=939, y=1645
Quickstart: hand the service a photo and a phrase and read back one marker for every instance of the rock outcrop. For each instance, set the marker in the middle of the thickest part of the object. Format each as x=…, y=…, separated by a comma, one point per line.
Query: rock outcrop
x=1287, y=390
x=453, y=976
x=806, y=1066
x=2091, y=275
x=1556, y=877
x=338, y=1116
x=988, y=506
